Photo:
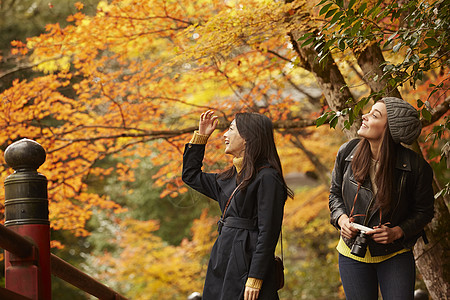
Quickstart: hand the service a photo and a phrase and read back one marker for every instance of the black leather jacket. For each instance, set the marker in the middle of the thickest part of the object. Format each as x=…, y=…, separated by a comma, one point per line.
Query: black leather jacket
x=413, y=201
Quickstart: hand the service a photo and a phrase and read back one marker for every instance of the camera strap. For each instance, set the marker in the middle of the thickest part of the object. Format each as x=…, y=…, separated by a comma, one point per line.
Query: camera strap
x=354, y=202
x=362, y=215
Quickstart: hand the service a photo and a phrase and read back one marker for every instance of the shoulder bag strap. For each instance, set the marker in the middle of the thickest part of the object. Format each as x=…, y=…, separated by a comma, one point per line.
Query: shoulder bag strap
x=229, y=200
x=281, y=235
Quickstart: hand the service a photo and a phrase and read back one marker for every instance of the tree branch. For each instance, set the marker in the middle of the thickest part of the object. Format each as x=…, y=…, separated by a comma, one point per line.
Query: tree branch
x=27, y=66
x=437, y=113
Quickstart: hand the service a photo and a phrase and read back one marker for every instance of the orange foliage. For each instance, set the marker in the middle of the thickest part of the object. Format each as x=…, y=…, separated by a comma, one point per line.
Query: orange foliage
x=151, y=267
x=130, y=82
x=113, y=88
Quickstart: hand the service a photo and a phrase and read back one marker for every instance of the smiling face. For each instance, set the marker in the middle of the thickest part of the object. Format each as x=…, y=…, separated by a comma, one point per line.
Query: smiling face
x=374, y=123
x=234, y=143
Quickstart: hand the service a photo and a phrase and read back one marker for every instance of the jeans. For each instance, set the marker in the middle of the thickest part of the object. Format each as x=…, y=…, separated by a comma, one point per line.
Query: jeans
x=395, y=276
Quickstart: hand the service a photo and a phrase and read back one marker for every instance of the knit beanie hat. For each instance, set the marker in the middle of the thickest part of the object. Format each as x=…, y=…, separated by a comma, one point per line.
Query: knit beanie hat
x=403, y=120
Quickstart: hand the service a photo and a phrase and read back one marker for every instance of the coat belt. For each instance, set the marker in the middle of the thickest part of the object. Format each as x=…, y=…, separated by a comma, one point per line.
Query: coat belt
x=240, y=223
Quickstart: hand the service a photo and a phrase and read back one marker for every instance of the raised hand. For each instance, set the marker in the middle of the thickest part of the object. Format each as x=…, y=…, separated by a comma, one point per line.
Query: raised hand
x=208, y=123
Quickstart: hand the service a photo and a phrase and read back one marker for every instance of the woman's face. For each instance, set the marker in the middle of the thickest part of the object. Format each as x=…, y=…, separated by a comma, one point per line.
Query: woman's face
x=374, y=123
x=234, y=143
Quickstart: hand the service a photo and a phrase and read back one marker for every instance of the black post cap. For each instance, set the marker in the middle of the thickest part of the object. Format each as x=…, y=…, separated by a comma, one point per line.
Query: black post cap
x=25, y=154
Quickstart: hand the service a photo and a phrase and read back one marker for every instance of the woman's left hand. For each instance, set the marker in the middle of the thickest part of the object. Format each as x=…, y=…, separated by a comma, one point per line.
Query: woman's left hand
x=251, y=293
x=386, y=235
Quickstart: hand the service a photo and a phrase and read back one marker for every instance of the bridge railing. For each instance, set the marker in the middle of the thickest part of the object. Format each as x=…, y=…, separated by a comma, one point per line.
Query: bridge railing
x=26, y=233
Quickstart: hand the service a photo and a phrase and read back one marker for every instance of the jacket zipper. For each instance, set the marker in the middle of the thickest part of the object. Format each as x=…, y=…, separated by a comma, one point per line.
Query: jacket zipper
x=400, y=194
x=366, y=218
x=370, y=203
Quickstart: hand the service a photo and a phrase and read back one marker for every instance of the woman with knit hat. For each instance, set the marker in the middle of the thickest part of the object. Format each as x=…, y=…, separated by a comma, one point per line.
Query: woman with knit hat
x=251, y=195
x=381, y=198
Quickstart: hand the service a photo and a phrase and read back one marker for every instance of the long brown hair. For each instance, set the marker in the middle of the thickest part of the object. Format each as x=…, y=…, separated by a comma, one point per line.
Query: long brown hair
x=384, y=177
x=257, y=131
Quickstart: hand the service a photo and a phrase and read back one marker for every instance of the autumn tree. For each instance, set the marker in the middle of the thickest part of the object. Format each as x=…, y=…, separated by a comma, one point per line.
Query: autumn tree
x=129, y=83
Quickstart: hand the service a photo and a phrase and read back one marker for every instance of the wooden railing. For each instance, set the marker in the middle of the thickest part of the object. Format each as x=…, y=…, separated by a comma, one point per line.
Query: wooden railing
x=26, y=234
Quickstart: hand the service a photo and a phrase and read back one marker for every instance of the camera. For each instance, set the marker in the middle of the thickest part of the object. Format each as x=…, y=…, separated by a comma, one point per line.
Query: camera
x=359, y=248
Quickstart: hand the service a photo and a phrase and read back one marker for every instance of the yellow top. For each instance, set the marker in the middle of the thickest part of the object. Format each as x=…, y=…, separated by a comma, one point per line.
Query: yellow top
x=198, y=138
x=343, y=249
x=254, y=283
x=238, y=163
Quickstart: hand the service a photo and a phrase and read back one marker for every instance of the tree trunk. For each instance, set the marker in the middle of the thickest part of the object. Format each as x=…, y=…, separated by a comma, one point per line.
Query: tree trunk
x=370, y=60
x=432, y=259
x=329, y=79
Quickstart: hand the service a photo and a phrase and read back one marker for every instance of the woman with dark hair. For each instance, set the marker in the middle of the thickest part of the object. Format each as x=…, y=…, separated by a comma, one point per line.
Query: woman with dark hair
x=386, y=188
x=251, y=195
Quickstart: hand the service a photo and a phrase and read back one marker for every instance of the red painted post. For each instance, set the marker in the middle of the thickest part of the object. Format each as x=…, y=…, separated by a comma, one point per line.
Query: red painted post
x=26, y=213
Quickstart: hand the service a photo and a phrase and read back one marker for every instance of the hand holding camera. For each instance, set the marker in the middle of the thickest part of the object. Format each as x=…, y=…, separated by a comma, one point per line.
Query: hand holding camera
x=385, y=235
x=359, y=248
x=347, y=230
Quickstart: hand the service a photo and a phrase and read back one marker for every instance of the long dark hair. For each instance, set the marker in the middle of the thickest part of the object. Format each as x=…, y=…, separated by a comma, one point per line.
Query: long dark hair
x=384, y=177
x=257, y=131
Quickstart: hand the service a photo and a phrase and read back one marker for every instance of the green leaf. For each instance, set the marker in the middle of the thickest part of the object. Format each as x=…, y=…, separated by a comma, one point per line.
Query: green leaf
x=322, y=119
x=324, y=58
x=396, y=47
x=367, y=30
x=431, y=42
x=420, y=74
x=341, y=44
x=426, y=50
x=376, y=12
x=438, y=128
x=392, y=82
x=343, y=87
x=340, y=3
x=351, y=117
x=356, y=27
x=387, y=43
x=362, y=8
x=419, y=103
x=347, y=124
x=319, y=46
x=305, y=36
x=325, y=8
x=350, y=5
x=392, y=36
x=322, y=2
x=328, y=44
x=426, y=114
x=330, y=13
x=336, y=17
x=308, y=41
x=432, y=92
x=333, y=122
x=371, y=10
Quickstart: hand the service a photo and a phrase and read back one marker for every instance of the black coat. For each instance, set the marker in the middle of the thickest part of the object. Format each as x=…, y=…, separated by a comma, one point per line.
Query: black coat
x=240, y=253
x=412, y=203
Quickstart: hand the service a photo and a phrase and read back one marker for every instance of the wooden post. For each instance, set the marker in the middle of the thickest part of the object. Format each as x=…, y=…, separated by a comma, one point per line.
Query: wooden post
x=26, y=213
